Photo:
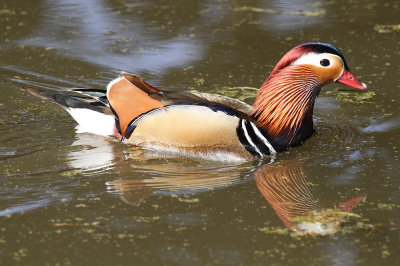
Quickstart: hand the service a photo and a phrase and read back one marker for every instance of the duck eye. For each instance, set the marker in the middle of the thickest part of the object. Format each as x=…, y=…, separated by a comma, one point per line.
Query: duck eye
x=325, y=62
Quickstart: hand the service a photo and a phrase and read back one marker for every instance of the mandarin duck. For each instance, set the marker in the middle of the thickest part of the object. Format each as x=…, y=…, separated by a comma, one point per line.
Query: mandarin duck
x=207, y=125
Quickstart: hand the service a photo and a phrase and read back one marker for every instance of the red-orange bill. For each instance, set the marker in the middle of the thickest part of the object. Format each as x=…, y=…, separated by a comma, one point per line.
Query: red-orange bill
x=349, y=79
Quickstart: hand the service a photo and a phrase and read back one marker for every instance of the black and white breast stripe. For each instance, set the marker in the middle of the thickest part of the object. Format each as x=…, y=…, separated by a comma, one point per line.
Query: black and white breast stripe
x=253, y=139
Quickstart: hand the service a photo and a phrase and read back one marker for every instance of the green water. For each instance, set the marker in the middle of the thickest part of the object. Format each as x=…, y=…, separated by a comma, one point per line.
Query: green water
x=79, y=199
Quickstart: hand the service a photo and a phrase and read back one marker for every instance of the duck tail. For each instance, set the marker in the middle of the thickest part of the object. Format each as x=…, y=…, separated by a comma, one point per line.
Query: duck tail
x=93, y=114
x=47, y=96
x=65, y=100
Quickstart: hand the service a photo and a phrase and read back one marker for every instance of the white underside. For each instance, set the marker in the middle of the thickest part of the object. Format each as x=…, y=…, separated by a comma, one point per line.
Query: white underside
x=90, y=121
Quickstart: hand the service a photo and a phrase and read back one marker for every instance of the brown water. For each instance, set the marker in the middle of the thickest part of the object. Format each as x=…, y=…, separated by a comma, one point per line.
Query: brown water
x=69, y=198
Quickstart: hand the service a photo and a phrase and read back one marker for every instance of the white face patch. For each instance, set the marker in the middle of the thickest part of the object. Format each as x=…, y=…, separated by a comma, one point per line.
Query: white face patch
x=324, y=60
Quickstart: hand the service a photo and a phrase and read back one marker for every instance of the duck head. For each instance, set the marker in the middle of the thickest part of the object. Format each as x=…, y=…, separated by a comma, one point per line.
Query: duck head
x=284, y=104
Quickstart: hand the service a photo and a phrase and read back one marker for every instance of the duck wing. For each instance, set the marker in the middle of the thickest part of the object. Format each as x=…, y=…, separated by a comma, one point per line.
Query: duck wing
x=170, y=97
x=130, y=97
x=199, y=98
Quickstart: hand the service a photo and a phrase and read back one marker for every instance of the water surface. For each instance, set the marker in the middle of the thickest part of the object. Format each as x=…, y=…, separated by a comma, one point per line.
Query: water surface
x=80, y=199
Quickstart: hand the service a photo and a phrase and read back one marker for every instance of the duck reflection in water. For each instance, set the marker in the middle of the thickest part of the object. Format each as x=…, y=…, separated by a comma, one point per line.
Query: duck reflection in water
x=293, y=197
x=172, y=177
x=285, y=185
x=143, y=172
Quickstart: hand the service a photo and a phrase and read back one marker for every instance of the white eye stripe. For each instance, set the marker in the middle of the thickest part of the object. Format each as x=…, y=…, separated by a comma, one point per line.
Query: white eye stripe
x=315, y=59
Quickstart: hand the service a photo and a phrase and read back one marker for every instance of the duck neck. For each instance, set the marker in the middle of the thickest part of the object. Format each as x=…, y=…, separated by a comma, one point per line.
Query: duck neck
x=284, y=106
